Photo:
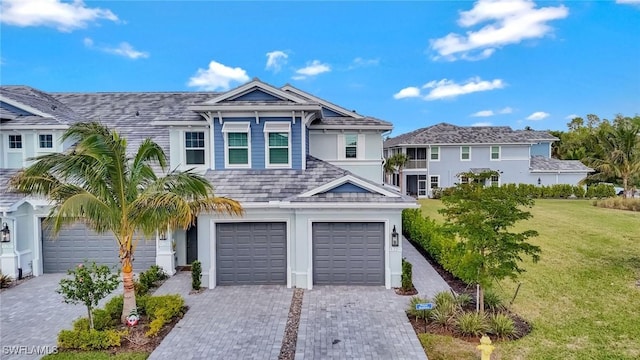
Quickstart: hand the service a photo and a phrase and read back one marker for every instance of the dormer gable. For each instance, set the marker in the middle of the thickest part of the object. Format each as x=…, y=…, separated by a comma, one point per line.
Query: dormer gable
x=256, y=90
x=349, y=184
x=328, y=109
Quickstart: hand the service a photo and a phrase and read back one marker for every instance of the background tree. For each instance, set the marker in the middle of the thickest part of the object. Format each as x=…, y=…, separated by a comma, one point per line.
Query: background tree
x=487, y=250
x=96, y=182
x=397, y=162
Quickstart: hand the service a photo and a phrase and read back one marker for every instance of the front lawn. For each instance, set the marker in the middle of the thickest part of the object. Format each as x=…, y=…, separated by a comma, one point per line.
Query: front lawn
x=582, y=297
x=97, y=355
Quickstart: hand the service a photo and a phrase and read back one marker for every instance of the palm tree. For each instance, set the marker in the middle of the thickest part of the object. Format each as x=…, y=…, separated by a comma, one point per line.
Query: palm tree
x=97, y=183
x=619, y=146
x=397, y=162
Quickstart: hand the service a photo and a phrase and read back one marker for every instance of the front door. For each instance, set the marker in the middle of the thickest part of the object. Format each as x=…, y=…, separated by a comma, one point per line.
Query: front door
x=192, y=243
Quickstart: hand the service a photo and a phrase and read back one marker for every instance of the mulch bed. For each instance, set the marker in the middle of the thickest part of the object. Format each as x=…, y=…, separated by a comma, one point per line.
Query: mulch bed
x=136, y=341
x=410, y=292
x=290, y=339
x=522, y=326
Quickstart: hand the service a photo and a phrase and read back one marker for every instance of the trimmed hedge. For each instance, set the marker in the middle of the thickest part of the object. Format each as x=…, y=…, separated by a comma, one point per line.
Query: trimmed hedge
x=557, y=191
x=88, y=339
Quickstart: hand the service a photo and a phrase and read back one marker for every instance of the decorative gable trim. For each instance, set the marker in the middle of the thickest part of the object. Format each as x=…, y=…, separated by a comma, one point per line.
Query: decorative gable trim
x=24, y=107
x=251, y=86
x=328, y=105
x=352, y=180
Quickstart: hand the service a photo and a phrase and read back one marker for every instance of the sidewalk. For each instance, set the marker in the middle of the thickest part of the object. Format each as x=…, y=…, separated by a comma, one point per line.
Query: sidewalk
x=425, y=278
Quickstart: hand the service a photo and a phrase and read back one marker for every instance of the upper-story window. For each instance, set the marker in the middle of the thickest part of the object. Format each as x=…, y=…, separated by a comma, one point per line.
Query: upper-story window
x=351, y=146
x=194, y=147
x=45, y=141
x=15, y=141
x=278, y=143
x=495, y=153
x=435, y=153
x=465, y=153
x=237, y=144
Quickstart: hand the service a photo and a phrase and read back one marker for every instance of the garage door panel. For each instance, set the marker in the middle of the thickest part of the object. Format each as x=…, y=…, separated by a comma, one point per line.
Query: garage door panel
x=253, y=253
x=75, y=243
x=348, y=253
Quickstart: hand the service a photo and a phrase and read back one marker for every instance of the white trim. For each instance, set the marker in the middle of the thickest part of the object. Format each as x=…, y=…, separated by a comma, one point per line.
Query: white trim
x=188, y=123
x=236, y=127
x=324, y=103
x=33, y=127
x=431, y=147
x=354, y=162
x=45, y=149
x=352, y=127
x=286, y=108
x=467, y=146
x=348, y=179
x=183, y=155
x=386, y=247
x=277, y=127
x=25, y=107
x=344, y=146
x=214, y=243
x=491, y=153
x=251, y=86
x=429, y=179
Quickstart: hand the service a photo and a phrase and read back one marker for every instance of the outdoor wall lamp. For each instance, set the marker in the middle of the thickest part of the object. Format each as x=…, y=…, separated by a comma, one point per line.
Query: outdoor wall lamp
x=163, y=235
x=539, y=181
x=395, y=238
x=6, y=233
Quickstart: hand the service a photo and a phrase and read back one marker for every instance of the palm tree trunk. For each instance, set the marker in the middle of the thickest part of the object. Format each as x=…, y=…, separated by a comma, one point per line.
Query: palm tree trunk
x=129, y=303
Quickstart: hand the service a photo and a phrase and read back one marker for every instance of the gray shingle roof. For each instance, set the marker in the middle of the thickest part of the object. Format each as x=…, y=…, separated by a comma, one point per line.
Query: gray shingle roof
x=541, y=163
x=286, y=185
x=8, y=198
x=344, y=121
x=444, y=133
x=41, y=101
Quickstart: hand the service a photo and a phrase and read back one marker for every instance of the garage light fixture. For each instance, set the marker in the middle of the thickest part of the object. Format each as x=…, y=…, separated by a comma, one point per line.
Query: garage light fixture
x=6, y=234
x=539, y=181
x=163, y=235
x=395, y=238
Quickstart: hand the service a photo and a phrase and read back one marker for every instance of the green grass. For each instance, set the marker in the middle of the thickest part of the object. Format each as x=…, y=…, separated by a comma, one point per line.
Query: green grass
x=581, y=297
x=96, y=355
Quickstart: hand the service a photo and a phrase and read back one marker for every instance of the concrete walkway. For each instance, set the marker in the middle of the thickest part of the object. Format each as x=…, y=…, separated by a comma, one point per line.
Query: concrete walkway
x=425, y=278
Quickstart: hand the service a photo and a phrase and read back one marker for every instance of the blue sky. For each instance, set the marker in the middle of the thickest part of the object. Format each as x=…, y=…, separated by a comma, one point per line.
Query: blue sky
x=499, y=62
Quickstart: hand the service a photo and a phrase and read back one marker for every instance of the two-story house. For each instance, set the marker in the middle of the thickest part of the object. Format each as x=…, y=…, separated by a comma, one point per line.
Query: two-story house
x=438, y=154
x=307, y=172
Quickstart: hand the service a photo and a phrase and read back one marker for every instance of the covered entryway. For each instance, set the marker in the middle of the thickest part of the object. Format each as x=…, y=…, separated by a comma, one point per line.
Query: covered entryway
x=348, y=253
x=76, y=243
x=251, y=253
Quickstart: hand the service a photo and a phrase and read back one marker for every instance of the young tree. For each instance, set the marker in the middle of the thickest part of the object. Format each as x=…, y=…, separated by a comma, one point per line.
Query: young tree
x=90, y=284
x=487, y=250
x=96, y=182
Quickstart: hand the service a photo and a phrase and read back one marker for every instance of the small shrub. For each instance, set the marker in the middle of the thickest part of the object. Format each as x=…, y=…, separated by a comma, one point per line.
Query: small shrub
x=161, y=309
x=5, y=280
x=88, y=339
x=141, y=304
x=102, y=319
x=445, y=317
x=471, y=324
x=619, y=203
x=407, y=276
x=89, y=284
x=158, y=272
x=418, y=314
x=492, y=301
x=155, y=326
x=502, y=325
x=149, y=279
x=464, y=299
x=196, y=275
x=81, y=324
x=140, y=288
x=114, y=307
x=600, y=191
x=444, y=299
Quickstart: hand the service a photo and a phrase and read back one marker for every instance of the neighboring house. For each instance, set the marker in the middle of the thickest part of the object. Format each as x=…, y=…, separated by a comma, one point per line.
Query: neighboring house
x=438, y=154
x=307, y=172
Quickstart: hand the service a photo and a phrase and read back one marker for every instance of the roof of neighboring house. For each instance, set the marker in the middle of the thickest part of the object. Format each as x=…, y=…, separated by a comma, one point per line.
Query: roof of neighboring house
x=8, y=198
x=286, y=185
x=443, y=134
x=544, y=164
x=58, y=112
x=342, y=121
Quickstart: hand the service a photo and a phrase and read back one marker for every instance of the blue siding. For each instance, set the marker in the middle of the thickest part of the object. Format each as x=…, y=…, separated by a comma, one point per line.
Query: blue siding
x=257, y=142
x=257, y=95
x=330, y=113
x=541, y=149
x=348, y=188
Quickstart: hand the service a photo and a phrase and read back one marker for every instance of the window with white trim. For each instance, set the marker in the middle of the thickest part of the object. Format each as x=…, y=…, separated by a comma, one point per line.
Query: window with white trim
x=422, y=185
x=465, y=153
x=45, y=141
x=434, y=182
x=15, y=141
x=495, y=153
x=464, y=179
x=351, y=146
x=194, y=148
x=435, y=153
x=237, y=152
x=278, y=144
x=495, y=180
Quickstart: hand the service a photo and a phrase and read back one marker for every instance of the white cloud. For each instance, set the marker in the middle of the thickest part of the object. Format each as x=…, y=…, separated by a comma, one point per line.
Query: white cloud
x=506, y=110
x=509, y=22
x=275, y=60
x=312, y=69
x=64, y=16
x=124, y=49
x=483, y=113
x=482, y=123
x=217, y=77
x=449, y=89
x=538, y=115
x=407, y=92
x=571, y=117
x=361, y=62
